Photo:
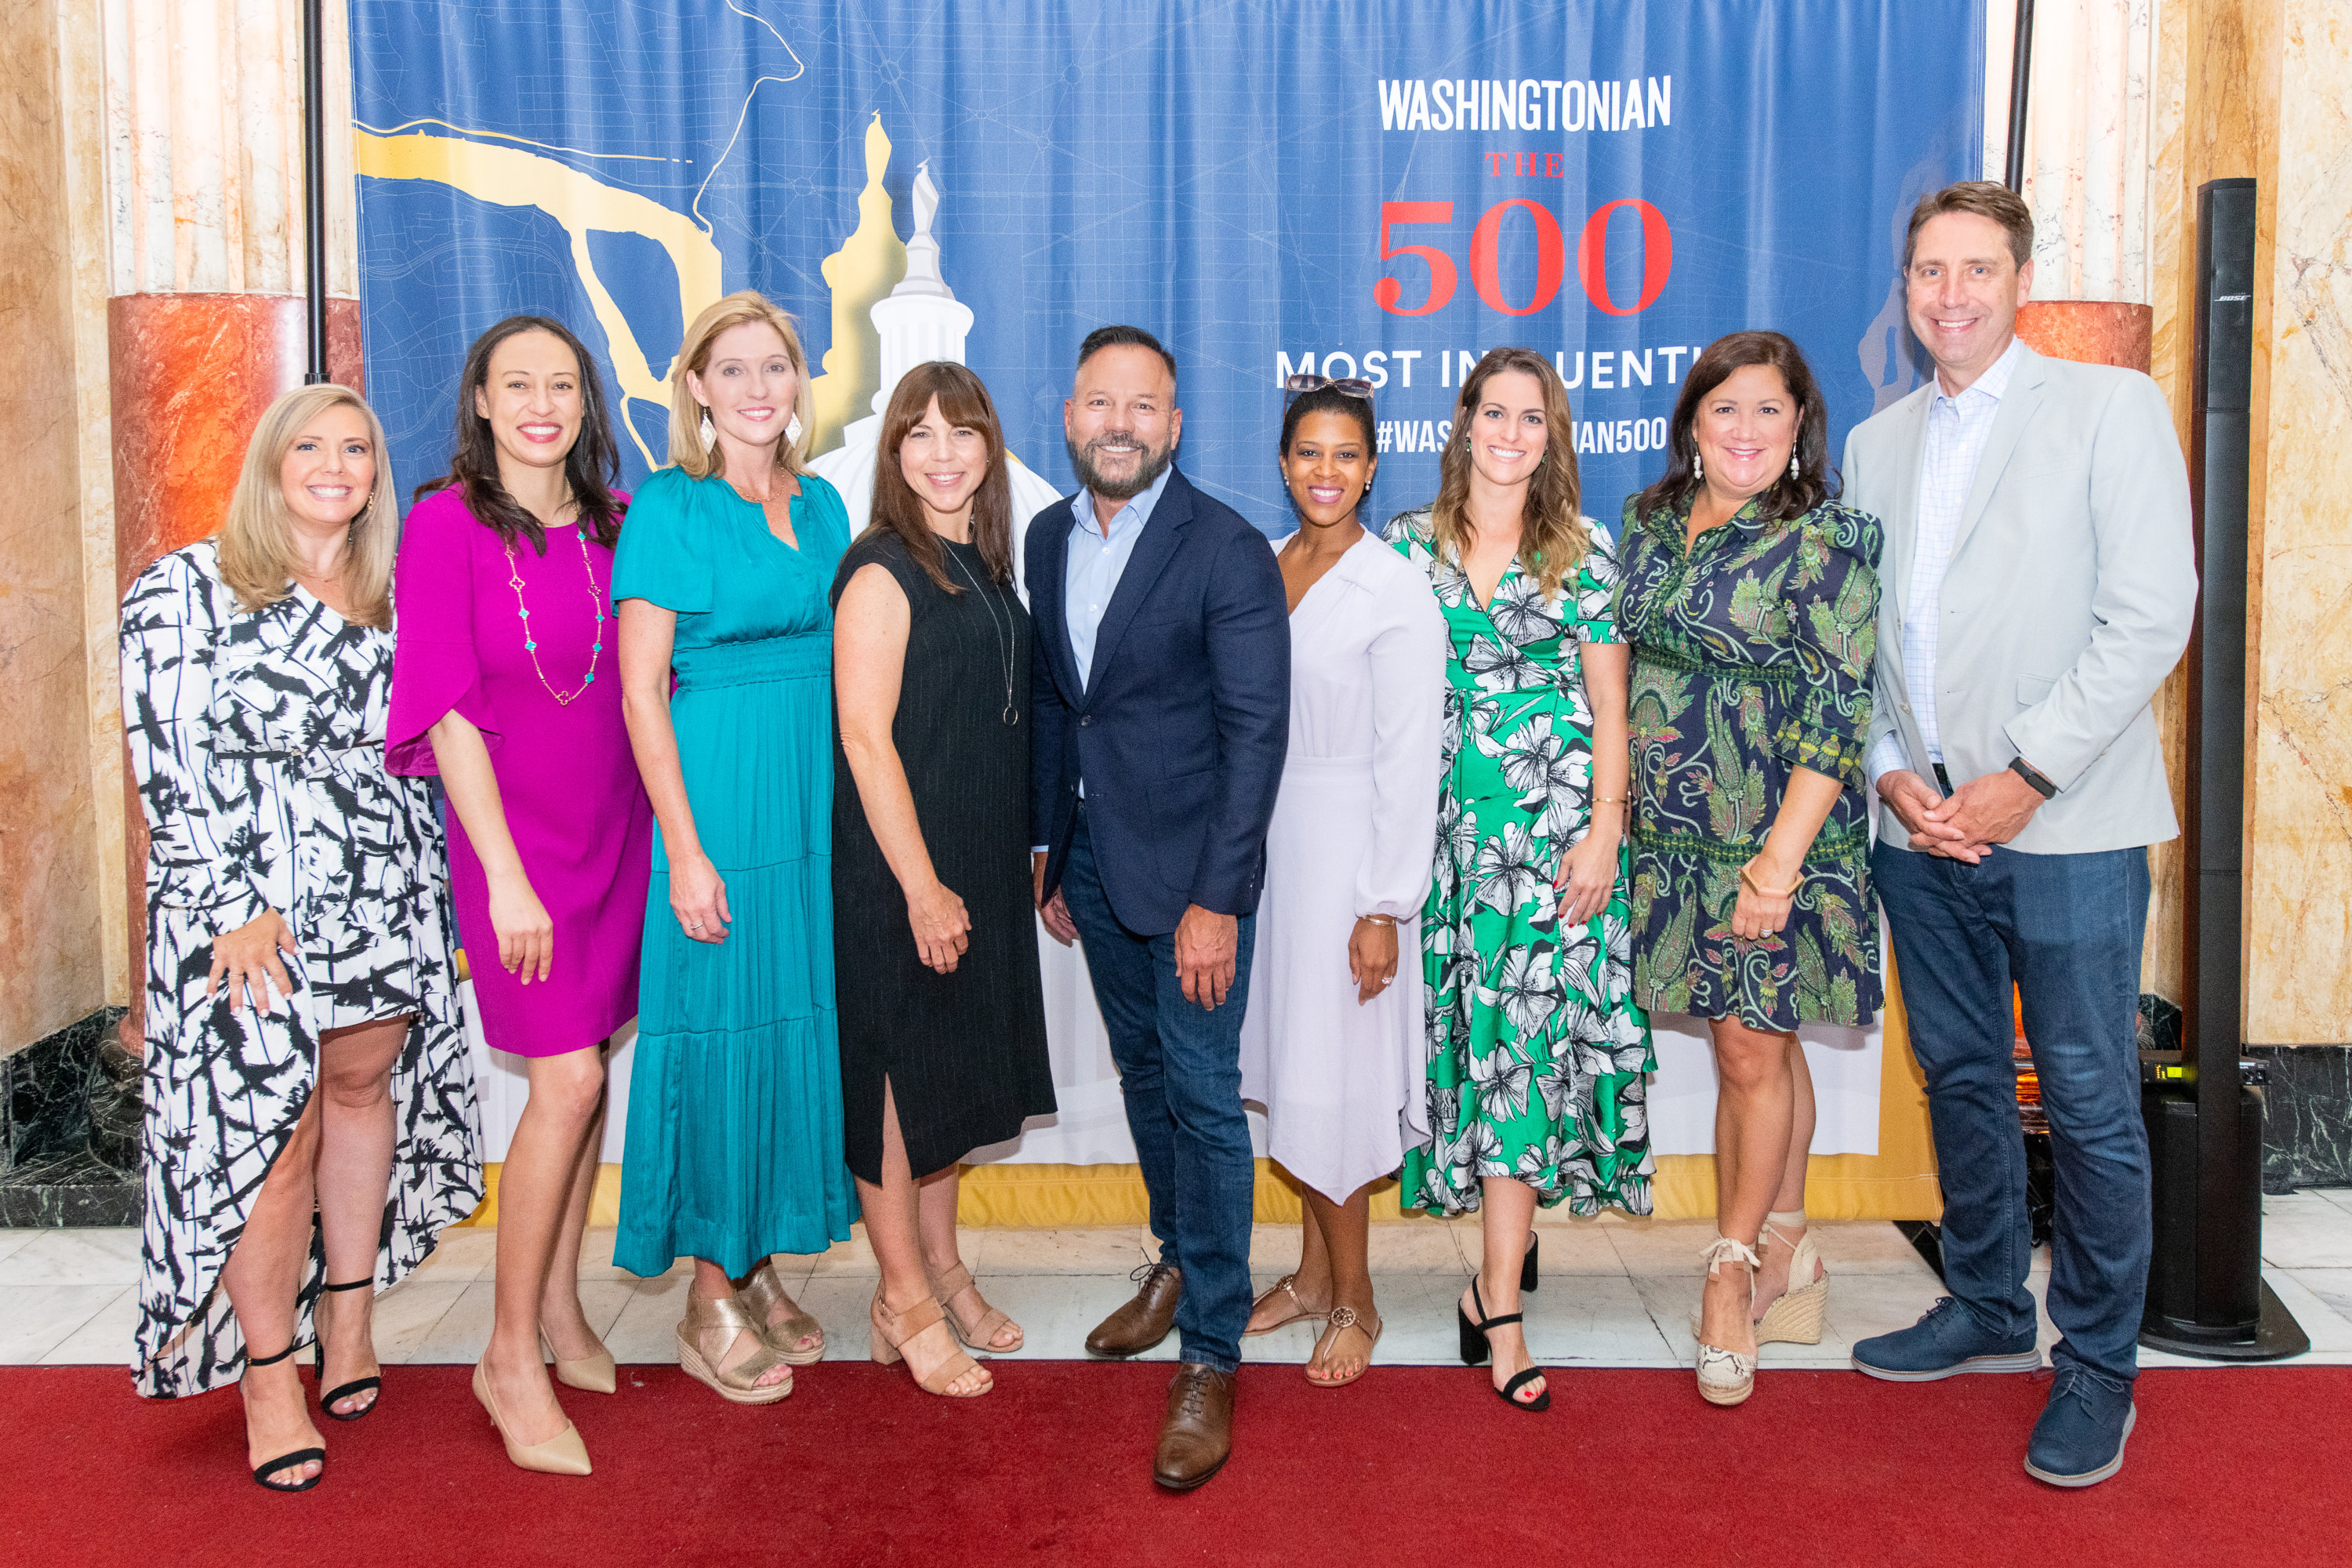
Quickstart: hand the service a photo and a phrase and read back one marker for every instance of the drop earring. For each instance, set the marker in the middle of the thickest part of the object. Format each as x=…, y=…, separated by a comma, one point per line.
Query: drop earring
x=1698, y=467
x=707, y=432
x=1793, y=469
x=792, y=430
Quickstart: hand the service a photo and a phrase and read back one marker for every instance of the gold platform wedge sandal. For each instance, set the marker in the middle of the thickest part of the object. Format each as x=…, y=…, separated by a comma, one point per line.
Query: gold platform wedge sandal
x=1795, y=1318
x=1728, y=1377
x=761, y=1295
x=705, y=1335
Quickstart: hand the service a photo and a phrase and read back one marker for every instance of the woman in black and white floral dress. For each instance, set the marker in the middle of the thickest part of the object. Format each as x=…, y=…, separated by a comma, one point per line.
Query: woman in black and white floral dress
x=298, y=941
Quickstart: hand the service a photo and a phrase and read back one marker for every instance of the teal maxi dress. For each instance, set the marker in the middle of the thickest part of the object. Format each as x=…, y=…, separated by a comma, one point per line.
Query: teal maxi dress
x=734, y=1146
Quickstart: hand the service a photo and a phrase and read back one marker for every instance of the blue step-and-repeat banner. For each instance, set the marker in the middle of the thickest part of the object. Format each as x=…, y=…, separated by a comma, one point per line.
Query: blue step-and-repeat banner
x=1355, y=187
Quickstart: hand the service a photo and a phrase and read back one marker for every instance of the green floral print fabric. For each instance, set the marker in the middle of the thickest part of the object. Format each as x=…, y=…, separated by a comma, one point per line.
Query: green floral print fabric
x=1536, y=1050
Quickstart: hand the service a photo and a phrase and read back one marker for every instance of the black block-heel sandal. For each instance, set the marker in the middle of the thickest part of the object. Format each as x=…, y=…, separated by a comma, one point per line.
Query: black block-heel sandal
x=1475, y=1349
x=262, y=1472
x=358, y=1385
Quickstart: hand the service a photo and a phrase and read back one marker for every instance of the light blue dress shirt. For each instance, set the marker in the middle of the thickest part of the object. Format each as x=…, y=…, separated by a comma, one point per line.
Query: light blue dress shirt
x=1096, y=562
x=1958, y=429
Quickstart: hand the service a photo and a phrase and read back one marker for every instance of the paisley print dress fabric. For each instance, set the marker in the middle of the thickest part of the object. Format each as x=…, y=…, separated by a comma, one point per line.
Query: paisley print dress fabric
x=1751, y=659
x=1534, y=1049
x=256, y=741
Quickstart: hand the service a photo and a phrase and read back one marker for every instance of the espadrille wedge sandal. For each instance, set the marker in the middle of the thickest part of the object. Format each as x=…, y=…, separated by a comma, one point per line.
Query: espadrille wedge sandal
x=1795, y=1318
x=1727, y=1376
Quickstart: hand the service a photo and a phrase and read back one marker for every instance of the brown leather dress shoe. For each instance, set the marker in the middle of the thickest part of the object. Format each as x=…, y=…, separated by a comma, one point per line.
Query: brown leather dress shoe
x=1198, y=1435
x=1144, y=1321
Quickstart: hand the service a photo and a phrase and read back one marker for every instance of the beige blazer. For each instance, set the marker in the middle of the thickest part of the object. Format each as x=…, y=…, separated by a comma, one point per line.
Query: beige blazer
x=2072, y=586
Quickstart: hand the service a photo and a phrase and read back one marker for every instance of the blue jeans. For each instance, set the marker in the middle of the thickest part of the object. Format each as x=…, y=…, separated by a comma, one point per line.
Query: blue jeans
x=2067, y=929
x=1180, y=1073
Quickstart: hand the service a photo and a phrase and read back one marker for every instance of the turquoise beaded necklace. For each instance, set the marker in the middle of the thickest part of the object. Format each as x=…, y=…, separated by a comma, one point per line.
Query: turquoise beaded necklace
x=523, y=613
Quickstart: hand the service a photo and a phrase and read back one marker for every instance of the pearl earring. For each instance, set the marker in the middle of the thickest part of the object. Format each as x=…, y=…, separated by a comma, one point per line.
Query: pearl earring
x=706, y=431
x=1698, y=467
x=1793, y=469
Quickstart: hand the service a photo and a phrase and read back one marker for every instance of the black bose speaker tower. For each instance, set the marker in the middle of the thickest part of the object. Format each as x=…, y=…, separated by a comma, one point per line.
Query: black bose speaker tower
x=2205, y=1292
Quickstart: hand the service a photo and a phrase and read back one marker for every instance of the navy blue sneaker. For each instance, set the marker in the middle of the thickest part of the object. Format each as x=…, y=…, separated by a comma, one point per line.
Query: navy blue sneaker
x=2079, y=1441
x=1945, y=1342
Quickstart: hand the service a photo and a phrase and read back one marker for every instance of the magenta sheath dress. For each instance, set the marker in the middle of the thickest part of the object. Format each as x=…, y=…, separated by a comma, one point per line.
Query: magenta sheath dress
x=566, y=776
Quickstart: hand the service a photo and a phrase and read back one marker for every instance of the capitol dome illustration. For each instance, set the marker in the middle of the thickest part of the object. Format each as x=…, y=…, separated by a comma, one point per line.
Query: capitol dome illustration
x=920, y=320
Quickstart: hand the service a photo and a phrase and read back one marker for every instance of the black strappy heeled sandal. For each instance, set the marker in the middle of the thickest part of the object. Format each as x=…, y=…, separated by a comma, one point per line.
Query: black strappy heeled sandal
x=1475, y=1349
x=262, y=1473
x=357, y=1385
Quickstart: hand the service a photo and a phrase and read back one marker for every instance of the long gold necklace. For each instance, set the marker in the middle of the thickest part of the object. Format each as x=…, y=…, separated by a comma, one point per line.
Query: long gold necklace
x=523, y=612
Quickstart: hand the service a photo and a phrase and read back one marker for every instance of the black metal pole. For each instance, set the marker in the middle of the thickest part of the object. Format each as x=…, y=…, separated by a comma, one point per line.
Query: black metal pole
x=2021, y=71
x=314, y=183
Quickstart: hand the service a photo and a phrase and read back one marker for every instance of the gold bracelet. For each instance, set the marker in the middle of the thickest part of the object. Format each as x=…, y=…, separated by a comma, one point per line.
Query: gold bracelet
x=1748, y=875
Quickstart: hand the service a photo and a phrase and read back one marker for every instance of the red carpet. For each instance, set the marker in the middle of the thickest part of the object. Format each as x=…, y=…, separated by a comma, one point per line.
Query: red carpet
x=1414, y=1465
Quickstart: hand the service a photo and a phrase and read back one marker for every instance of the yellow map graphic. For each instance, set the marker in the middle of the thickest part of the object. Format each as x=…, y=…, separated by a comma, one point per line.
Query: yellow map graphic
x=867, y=266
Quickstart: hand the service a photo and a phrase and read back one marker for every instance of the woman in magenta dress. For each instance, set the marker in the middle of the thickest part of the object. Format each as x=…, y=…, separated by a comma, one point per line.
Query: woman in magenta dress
x=505, y=682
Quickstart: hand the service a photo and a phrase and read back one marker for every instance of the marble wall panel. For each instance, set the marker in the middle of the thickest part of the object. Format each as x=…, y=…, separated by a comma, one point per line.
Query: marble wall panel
x=2299, y=855
x=51, y=922
x=191, y=376
x=204, y=113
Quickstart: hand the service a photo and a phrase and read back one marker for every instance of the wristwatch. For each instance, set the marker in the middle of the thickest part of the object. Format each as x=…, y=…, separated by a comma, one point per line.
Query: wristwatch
x=2025, y=770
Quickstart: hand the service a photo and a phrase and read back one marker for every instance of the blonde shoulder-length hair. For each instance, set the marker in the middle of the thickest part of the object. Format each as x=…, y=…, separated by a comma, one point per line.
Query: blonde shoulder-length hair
x=1553, y=538
x=687, y=449
x=257, y=535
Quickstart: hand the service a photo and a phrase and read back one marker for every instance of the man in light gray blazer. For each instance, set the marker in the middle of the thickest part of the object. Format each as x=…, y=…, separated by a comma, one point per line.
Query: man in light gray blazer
x=2040, y=586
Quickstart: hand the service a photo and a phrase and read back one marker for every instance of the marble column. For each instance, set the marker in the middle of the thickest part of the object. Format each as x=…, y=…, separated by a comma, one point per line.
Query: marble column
x=54, y=866
x=204, y=125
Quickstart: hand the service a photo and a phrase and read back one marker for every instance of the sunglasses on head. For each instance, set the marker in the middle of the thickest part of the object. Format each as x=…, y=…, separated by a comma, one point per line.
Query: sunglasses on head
x=1350, y=386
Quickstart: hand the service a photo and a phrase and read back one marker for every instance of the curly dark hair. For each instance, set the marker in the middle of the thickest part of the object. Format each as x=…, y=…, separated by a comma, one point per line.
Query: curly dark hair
x=591, y=467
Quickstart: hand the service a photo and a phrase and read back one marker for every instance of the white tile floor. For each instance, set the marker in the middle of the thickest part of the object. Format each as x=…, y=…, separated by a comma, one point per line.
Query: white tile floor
x=1615, y=1292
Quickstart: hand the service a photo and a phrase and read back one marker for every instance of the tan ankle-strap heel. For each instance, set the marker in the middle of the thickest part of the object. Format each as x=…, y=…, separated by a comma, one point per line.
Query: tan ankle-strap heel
x=980, y=1336
x=893, y=1330
x=723, y=1321
x=1796, y=1317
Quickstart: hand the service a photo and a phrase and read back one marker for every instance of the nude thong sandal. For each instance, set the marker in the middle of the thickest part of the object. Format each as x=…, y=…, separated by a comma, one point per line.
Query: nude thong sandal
x=1287, y=1285
x=1342, y=1320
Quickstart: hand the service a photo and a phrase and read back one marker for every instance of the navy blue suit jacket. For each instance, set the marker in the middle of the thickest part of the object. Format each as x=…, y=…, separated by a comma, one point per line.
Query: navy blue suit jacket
x=1181, y=731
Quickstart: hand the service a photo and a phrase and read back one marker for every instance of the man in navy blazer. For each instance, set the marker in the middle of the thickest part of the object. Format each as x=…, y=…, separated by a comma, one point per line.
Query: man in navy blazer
x=1161, y=694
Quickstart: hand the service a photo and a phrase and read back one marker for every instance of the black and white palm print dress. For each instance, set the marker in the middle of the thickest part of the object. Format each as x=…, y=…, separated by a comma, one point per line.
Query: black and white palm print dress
x=256, y=740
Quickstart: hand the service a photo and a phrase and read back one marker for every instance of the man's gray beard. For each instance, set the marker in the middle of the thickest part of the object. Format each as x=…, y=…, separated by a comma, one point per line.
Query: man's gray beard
x=1154, y=465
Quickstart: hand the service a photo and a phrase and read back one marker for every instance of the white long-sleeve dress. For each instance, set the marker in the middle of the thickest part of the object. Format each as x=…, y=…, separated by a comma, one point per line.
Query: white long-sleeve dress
x=1353, y=834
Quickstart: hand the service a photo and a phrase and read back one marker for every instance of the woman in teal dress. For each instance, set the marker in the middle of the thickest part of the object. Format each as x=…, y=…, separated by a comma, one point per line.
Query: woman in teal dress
x=734, y=1140
x=1534, y=1091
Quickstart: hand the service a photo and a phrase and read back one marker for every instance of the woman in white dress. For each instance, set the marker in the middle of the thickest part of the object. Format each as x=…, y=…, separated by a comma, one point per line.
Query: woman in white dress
x=1332, y=1044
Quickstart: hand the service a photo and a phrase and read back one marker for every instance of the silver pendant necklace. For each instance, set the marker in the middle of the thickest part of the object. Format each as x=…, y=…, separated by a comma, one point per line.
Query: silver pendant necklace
x=1004, y=633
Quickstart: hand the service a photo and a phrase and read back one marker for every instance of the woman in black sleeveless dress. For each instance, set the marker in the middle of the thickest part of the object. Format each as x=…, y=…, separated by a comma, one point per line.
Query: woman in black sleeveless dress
x=942, y=1017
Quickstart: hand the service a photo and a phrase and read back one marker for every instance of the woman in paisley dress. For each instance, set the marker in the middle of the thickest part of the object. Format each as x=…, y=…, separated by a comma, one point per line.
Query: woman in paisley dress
x=1534, y=1091
x=1751, y=598
x=304, y=1048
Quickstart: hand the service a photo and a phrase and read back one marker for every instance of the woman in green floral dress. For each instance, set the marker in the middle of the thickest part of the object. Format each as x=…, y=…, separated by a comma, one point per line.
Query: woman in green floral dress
x=1534, y=1090
x=1750, y=596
